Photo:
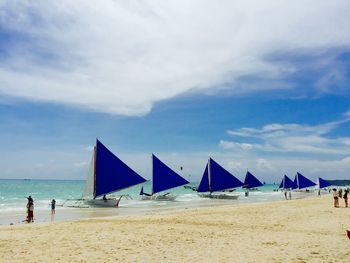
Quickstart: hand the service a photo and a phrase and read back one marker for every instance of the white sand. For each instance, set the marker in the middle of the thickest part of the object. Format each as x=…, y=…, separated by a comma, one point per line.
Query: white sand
x=308, y=230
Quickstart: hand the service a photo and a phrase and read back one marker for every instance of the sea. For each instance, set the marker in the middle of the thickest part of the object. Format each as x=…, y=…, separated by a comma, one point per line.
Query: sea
x=14, y=193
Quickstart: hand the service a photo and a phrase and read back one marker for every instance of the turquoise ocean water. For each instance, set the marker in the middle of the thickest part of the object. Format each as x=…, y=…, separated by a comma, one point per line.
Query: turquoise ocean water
x=13, y=200
x=13, y=193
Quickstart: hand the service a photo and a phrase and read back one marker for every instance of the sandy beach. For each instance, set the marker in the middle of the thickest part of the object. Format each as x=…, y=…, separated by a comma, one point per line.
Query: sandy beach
x=306, y=230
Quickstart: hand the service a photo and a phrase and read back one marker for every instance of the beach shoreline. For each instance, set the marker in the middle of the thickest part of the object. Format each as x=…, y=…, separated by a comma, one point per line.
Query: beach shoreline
x=303, y=230
x=136, y=207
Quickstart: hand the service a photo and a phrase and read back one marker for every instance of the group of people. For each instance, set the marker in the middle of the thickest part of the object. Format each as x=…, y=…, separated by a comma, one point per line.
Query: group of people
x=30, y=209
x=337, y=194
x=288, y=194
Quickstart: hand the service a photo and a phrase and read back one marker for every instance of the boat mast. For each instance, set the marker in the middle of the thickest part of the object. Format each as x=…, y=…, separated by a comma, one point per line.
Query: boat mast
x=209, y=176
x=152, y=173
x=298, y=181
x=95, y=150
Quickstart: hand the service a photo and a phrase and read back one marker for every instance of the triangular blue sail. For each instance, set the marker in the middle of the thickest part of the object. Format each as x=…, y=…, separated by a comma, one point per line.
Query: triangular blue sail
x=281, y=184
x=164, y=178
x=323, y=183
x=221, y=179
x=251, y=181
x=286, y=183
x=111, y=173
x=303, y=182
x=295, y=183
x=204, y=184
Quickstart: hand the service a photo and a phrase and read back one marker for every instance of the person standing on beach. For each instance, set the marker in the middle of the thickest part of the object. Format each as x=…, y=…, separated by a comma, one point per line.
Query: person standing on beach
x=335, y=197
x=53, y=207
x=285, y=194
x=30, y=210
x=346, y=197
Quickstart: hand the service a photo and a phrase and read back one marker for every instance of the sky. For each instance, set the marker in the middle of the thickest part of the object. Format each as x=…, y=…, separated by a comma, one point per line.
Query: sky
x=257, y=85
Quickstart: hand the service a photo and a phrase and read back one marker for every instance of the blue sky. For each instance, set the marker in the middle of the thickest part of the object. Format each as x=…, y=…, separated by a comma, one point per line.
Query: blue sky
x=268, y=94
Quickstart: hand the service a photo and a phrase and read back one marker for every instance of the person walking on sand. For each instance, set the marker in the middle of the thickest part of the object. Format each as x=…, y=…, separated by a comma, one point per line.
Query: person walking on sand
x=285, y=194
x=290, y=194
x=335, y=197
x=53, y=207
x=345, y=197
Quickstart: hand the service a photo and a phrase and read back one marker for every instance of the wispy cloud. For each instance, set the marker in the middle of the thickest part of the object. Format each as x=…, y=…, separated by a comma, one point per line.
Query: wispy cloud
x=121, y=57
x=233, y=145
x=296, y=138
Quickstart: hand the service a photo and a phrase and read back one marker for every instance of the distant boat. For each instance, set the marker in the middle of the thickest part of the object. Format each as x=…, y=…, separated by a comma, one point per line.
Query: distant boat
x=286, y=183
x=251, y=183
x=163, y=179
x=107, y=174
x=323, y=183
x=217, y=179
x=301, y=182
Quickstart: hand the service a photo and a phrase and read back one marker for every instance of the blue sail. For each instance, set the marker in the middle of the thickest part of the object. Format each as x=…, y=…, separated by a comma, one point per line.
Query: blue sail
x=286, y=183
x=303, y=182
x=281, y=184
x=111, y=173
x=219, y=180
x=323, y=183
x=204, y=184
x=164, y=178
x=295, y=183
x=251, y=181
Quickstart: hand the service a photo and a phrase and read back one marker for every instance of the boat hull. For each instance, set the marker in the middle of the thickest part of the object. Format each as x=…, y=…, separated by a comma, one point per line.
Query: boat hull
x=166, y=197
x=101, y=202
x=219, y=196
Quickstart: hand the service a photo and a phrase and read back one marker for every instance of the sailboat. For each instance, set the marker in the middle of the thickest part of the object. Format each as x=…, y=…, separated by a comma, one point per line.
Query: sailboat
x=286, y=183
x=107, y=174
x=217, y=179
x=301, y=182
x=323, y=183
x=164, y=178
x=251, y=183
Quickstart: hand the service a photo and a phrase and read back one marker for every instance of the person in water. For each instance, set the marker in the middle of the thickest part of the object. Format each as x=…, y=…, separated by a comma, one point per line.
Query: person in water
x=104, y=198
x=53, y=207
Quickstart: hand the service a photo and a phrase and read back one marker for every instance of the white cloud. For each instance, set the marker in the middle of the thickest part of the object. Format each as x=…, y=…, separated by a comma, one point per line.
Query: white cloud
x=89, y=148
x=292, y=138
x=80, y=164
x=235, y=145
x=122, y=56
x=233, y=165
x=263, y=164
